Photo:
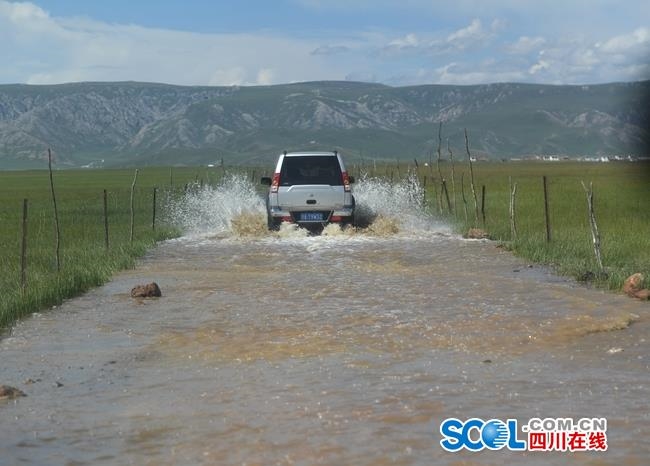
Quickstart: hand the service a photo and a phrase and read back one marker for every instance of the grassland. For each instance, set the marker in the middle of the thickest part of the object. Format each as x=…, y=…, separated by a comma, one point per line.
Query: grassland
x=85, y=261
x=621, y=200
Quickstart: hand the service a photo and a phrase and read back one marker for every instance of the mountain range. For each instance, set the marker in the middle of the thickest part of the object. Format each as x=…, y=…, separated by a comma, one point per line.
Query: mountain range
x=131, y=123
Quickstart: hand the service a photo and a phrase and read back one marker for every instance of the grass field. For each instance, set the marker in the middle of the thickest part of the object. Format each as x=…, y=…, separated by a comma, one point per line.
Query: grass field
x=621, y=199
x=85, y=261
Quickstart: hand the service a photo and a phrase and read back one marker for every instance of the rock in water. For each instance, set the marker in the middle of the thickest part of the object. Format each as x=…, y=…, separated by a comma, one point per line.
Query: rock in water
x=150, y=290
x=476, y=233
x=643, y=295
x=633, y=287
x=9, y=393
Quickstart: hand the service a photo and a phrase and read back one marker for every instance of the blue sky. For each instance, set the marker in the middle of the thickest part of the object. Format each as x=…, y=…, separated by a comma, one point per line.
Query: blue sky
x=248, y=42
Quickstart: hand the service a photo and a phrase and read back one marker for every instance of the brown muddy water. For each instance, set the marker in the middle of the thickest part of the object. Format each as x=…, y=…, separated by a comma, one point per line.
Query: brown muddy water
x=346, y=348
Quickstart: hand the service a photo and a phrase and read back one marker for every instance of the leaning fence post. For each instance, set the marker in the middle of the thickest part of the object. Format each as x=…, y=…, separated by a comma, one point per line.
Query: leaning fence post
x=23, y=252
x=453, y=181
x=442, y=181
x=513, y=220
x=56, y=213
x=471, y=174
x=135, y=177
x=446, y=193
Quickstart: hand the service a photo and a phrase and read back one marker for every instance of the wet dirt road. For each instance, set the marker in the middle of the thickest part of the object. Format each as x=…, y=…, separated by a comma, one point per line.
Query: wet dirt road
x=341, y=349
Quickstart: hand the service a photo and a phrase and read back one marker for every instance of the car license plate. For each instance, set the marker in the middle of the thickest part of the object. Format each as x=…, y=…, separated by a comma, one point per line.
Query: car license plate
x=311, y=216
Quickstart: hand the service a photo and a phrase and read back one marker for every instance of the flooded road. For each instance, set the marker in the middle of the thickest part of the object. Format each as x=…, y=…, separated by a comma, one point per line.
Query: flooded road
x=347, y=348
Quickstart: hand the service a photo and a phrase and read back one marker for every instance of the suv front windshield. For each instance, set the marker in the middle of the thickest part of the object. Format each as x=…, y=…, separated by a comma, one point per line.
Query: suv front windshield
x=313, y=169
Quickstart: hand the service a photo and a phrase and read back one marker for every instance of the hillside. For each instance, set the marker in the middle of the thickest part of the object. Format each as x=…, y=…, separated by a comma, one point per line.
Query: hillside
x=131, y=123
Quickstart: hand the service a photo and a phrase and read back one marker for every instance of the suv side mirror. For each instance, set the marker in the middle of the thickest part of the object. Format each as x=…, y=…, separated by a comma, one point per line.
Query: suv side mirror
x=351, y=179
x=266, y=181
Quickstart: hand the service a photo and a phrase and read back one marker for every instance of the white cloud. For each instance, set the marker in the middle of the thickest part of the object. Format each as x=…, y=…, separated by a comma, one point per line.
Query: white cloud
x=39, y=48
x=525, y=45
x=586, y=58
x=541, y=65
x=407, y=44
x=579, y=60
x=410, y=40
x=473, y=36
x=20, y=12
x=455, y=73
x=467, y=38
x=469, y=35
x=638, y=40
x=78, y=49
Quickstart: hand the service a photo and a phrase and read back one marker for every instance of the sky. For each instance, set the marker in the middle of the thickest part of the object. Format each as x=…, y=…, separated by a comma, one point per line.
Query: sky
x=257, y=42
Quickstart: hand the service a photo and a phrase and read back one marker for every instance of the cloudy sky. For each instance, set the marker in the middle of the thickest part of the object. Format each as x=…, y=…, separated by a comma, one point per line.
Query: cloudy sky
x=247, y=42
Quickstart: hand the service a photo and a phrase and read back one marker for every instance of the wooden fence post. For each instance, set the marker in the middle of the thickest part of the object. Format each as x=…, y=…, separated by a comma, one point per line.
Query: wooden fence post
x=56, y=213
x=462, y=193
x=595, y=236
x=453, y=181
x=135, y=177
x=513, y=221
x=440, y=178
x=446, y=193
x=471, y=173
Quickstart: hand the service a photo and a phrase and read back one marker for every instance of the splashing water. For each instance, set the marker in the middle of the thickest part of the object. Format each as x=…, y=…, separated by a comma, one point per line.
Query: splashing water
x=249, y=225
x=386, y=207
x=234, y=203
x=234, y=207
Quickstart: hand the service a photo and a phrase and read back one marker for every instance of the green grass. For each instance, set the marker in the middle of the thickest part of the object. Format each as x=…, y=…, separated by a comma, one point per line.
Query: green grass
x=621, y=196
x=85, y=261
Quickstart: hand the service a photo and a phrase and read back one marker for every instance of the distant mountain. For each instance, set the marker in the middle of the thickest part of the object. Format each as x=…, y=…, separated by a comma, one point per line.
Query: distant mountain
x=130, y=123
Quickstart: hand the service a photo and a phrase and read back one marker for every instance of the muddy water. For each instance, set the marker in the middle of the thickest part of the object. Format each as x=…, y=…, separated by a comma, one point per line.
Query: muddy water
x=346, y=348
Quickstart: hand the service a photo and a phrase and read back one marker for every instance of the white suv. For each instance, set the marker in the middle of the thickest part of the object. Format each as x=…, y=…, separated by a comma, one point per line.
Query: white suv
x=310, y=189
